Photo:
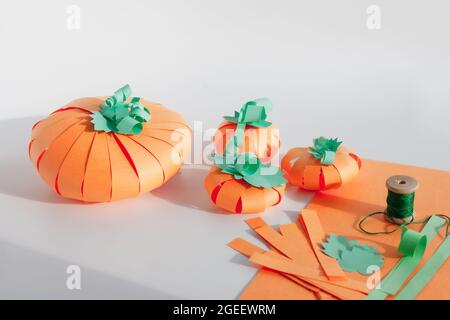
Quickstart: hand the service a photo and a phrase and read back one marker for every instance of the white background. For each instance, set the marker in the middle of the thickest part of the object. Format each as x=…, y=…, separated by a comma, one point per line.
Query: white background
x=384, y=92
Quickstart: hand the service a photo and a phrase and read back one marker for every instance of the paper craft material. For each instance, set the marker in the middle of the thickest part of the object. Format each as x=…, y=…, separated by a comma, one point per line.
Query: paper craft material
x=118, y=115
x=246, y=248
x=248, y=167
x=325, y=149
x=426, y=273
x=316, y=236
x=412, y=247
x=352, y=255
x=254, y=133
x=297, y=259
x=316, y=280
x=237, y=196
x=339, y=212
x=95, y=166
x=305, y=171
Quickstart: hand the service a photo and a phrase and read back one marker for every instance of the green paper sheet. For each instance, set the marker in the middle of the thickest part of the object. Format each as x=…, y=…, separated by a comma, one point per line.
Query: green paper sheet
x=412, y=246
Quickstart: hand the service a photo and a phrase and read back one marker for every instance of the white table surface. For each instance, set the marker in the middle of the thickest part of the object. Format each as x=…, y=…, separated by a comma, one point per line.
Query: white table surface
x=384, y=92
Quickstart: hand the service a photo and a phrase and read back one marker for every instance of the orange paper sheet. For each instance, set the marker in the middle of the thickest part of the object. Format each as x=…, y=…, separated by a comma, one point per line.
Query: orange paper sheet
x=340, y=210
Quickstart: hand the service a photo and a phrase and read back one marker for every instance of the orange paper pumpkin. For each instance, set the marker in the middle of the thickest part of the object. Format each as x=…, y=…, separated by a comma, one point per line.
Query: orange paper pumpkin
x=307, y=172
x=237, y=196
x=96, y=166
x=263, y=142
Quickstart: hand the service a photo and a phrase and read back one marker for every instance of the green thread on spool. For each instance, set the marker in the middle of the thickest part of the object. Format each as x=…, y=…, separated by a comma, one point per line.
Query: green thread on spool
x=400, y=206
x=400, y=203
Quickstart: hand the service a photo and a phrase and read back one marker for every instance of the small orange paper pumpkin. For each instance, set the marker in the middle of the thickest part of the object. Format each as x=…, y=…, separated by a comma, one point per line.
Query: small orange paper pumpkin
x=96, y=166
x=238, y=196
x=307, y=172
x=263, y=142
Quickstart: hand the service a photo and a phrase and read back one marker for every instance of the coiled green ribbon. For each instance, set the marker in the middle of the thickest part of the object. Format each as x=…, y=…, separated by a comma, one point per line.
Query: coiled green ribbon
x=118, y=116
x=412, y=247
x=252, y=113
x=325, y=149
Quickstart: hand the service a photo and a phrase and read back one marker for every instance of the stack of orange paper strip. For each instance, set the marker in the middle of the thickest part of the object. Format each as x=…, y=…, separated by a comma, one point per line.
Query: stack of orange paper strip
x=295, y=252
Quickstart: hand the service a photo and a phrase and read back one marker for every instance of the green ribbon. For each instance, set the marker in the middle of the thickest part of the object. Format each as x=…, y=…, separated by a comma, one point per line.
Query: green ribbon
x=427, y=272
x=252, y=113
x=325, y=149
x=412, y=246
x=118, y=116
x=248, y=167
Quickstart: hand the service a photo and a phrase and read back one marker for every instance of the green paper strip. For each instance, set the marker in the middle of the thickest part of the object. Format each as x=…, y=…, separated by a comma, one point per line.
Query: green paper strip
x=253, y=113
x=412, y=245
x=426, y=273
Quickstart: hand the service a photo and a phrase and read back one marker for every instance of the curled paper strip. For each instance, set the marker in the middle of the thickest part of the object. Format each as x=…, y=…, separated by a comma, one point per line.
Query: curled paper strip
x=412, y=246
x=238, y=196
x=253, y=113
x=118, y=116
x=426, y=273
x=96, y=166
x=305, y=171
x=254, y=134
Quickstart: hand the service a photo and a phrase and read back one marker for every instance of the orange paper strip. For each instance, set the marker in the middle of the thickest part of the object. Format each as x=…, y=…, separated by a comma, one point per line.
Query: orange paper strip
x=317, y=236
x=336, y=290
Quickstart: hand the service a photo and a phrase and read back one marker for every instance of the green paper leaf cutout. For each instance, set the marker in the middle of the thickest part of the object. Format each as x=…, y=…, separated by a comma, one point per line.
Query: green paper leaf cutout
x=101, y=123
x=118, y=116
x=352, y=255
x=325, y=149
x=247, y=166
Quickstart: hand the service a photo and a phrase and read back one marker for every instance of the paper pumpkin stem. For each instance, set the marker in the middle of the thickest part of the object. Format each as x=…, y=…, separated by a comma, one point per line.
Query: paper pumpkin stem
x=324, y=149
x=253, y=113
x=115, y=115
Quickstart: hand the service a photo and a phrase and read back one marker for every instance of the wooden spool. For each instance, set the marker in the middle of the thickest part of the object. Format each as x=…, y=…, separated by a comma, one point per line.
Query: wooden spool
x=401, y=184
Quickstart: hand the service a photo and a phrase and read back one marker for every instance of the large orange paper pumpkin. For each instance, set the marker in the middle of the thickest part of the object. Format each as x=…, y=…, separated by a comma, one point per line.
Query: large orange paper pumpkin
x=307, y=172
x=263, y=142
x=96, y=166
x=237, y=196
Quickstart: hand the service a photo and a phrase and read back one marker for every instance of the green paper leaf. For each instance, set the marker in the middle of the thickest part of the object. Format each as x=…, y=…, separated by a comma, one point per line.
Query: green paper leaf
x=247, y=166
x=266, y=181
x=325, y=149
x=101, y=123
x=358, y=259
x=352, y=255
